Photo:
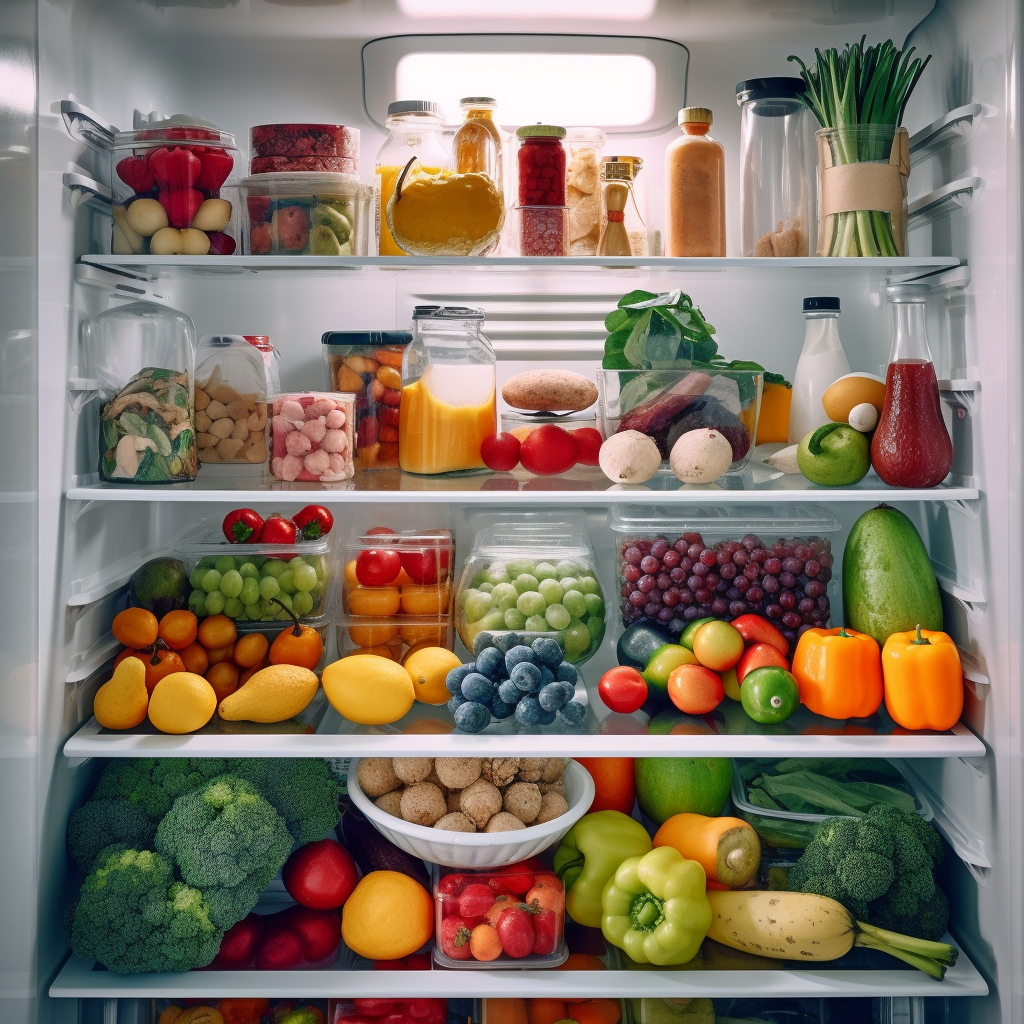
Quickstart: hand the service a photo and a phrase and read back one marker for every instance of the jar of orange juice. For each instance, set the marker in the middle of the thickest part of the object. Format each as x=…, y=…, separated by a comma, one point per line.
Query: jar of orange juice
x=448, y=385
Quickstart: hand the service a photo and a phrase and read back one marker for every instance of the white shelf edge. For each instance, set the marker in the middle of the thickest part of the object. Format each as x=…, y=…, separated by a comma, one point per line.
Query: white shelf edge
x=941, y=201
x=77, y=980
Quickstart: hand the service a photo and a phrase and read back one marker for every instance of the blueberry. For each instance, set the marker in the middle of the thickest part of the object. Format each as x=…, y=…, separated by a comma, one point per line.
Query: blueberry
x=482, y=641
x=472, y=717
x=499, y=709
x=518, y=655
x=546, y=675
x=573, y=713
x=455, y=677
x=527, y=677
x=476, y=687
x=504, y=642
x=555, y=696
x=549, y=651
x=567, y=673
x=491, y=663
x=546, y=717
x=508, y=692
x=529, y=712
x=455, y=702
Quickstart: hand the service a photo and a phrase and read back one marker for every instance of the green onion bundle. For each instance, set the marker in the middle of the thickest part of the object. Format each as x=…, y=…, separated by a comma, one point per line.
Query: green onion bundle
x=862, y=93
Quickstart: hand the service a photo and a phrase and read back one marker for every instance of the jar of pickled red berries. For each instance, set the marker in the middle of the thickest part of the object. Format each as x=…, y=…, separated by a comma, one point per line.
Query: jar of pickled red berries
x=542, y=212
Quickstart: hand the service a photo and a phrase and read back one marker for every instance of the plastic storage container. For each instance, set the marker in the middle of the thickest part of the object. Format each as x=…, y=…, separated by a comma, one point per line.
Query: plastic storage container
x=543, y=582
x=777, y=168
x=229, y=1010
x=311, y=438
x=448, y=391
x=392, y=637
x=271, y=360
x=542, y=214
x=306, y=213
x=142, y=358
x=582, y=189
x=454, y=898
x=521, y=423
x=304, y=147
x=675, y=566
x=369, y=365
x=665, y=404
x=297, y=575
x=173, y=185
x=230, y=401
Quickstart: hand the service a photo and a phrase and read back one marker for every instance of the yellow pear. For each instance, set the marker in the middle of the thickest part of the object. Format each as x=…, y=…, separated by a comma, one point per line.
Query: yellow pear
x=273, y=694
x=121, y=702
x=182, y=702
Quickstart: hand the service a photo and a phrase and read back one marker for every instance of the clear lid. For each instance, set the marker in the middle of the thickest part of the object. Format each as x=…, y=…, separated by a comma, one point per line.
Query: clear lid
x=206, y=538
x=153, y=129
x=305, y=183
x=731, y=521
x=534, y=536
x=579, y=137
x=229, y=359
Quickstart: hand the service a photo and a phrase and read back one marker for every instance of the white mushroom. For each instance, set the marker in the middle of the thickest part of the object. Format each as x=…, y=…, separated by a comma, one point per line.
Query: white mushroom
x=128, y=455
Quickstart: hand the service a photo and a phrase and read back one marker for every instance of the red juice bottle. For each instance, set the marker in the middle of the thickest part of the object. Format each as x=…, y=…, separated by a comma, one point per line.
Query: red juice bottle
x=911, y=446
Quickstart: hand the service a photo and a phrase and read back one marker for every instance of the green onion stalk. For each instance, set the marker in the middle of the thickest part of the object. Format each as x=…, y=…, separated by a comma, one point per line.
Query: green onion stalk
x=862, y=93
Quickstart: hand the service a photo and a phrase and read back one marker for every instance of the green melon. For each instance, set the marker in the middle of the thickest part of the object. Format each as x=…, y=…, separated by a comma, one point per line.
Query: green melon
x=888, y=582
x=674, y=785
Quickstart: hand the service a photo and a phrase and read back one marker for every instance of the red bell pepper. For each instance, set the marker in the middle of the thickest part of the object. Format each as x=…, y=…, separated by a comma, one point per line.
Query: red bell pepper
x=174, y=168
x=135, y=172
x=216, y=165
x=313, y=522
x=242, y=526
x=181, y=205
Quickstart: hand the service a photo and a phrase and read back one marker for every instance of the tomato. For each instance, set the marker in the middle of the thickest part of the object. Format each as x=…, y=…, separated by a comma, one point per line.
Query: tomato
x=758, y=656
x=320, y=875
x=614, y=782
x=428, y=564
x=377, y=567
x=500, y=452
x=622, y=689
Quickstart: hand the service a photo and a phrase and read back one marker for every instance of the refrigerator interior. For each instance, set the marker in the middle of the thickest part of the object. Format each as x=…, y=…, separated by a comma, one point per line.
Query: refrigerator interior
x=261, y=61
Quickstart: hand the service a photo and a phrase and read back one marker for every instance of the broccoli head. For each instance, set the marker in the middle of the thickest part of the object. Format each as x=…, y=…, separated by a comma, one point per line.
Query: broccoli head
x=154, y=783
x=132, y=916
x=227, y=841
x=302, y=789
x=102, y=823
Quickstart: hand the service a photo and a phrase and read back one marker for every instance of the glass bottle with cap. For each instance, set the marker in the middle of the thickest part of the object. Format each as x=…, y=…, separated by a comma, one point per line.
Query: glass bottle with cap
x=695, y=188
x=777, y=167
x=477, y=145
x=822, y=362
x=543, y=216
x=910, y=446
x=414, y=130
x=623, y=231
x=448, y=387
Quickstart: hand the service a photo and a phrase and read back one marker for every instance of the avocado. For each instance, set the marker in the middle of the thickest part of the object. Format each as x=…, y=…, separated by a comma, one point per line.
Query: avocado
x=888, y=582
x=159, y=585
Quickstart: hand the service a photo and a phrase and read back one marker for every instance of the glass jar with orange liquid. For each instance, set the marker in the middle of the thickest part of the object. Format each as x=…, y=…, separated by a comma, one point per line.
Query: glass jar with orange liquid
x=448, y=386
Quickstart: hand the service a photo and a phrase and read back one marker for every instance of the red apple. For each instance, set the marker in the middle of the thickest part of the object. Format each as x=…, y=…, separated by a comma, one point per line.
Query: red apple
x=320, y=875
x=757, y=630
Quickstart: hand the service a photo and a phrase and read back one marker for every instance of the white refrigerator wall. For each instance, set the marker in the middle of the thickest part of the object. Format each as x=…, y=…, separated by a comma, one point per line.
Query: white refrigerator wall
x=260, y=62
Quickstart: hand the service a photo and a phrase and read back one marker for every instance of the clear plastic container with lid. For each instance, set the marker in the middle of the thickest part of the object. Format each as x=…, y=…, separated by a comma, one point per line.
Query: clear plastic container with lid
x=142, y=357
x=414, y=130
x=777, y=166
x=271, y=360
x=448, y=391
x=623, y=220
x=543, y=217
x=695, y=188
x=168, y=180
x=582, y=189
x=230, y=401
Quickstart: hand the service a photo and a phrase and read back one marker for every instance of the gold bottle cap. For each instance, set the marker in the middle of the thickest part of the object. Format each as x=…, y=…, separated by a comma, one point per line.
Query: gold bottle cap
x=695, y=115
x=621, y=168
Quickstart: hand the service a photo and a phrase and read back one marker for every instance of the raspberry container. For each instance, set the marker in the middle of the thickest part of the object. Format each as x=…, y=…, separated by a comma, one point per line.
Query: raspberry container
x=465, y=901
x=536, y=577
x=209, y=558
x=394, y=637
x=675, y=566
x=306, y=213
x=175, y=189
x=304, y=147
x=310, y=437
x=369, y=364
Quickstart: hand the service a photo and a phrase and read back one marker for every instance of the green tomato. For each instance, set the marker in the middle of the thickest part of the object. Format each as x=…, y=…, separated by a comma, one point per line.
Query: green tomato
x=504, y=596
x=215, y=602
x=211, y=582
x=248, y=570
x=575, y=603
x=550, y=590
x=231, y=583
x=250, y=591
x=545, y=571
x=557, y=616
x=525, y=582
x=514, y=619
x=233, y=608
x=531, y=603
x=477, y=605
x=537, y=624
x=769, y=695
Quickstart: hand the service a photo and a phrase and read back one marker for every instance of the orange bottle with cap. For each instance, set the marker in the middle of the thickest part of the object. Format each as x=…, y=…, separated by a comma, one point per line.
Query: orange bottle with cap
x=695, y=188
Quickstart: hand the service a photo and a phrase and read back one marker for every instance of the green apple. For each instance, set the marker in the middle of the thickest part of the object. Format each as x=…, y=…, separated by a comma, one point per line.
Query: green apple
x=834, y=455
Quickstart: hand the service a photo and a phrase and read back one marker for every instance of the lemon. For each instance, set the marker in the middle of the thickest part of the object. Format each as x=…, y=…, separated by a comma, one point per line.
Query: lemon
x=369, y=690
x=428, y=668
x=181, y=702
x=388, y=916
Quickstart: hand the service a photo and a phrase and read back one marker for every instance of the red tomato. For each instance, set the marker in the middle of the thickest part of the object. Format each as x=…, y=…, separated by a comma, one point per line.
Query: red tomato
x=622, y=689
x=548, y=450
x=757, y=630
x=320, y=875
x=589, y=440
x=614, y=783
x=377, y=567
x=500, y=452
x=380, y=531
x=758, y=656
x=428, y=564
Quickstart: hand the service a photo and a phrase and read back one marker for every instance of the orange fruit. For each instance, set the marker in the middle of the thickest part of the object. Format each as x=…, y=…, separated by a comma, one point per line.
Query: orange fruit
x=429, y=634
x=378, y=602
x=182, y=702
x=219, y=654
x=216, y=631
x=381, y=651
x=351, y=580
x=546, y=1011
x=597, y=1011
x=250, y=650
x=135, y=627
x=223, y=677
x=195, y=659
x=427, y=600
x=388, y=916
x=695, y=690
x=159, y=664
x=614, y=784
x=372, y=636
x=484, y=943
x=582, y=962
x=178, y=629
x=428, y=669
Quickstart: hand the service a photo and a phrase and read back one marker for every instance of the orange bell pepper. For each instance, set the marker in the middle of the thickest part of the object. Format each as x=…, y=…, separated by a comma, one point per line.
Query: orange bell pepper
x=838, y=672
x=773, y=416
x=924, y=681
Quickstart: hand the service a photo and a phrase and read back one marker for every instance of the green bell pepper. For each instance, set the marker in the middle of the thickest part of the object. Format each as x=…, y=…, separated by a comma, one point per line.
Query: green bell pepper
x=590, y=852
x=656, y=908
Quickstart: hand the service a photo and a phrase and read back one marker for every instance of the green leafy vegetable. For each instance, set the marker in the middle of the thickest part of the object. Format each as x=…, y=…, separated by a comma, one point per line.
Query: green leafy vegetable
x=133, y=424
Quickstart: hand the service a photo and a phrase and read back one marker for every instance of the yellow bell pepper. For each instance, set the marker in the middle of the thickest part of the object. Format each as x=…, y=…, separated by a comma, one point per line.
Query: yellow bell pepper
x=924, y=681
x=838, y=672
x=773, y=416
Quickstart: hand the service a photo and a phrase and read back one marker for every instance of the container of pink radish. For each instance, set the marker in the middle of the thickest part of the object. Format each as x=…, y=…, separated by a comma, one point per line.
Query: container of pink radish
x=310, y=438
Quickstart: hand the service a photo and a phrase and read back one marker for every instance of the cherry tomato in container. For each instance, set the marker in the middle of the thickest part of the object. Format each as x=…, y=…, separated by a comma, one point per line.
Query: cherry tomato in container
x=313, y=522
x=622, y=689
x=377, y=567
x=242, y=526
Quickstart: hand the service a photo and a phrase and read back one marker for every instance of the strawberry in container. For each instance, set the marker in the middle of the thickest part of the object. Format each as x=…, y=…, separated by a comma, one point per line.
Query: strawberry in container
x=174, y=185
x=311, y=437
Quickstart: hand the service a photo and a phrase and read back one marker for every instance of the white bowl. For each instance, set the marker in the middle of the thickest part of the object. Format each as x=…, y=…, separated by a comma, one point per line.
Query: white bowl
x=477, y=849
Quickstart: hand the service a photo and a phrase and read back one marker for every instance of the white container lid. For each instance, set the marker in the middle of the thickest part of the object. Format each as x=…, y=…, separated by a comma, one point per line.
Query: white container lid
x=735, y=521
x=305, y=182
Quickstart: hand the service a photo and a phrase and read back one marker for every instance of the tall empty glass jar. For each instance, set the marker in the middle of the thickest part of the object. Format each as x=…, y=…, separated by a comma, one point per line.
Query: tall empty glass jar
x=777, y=163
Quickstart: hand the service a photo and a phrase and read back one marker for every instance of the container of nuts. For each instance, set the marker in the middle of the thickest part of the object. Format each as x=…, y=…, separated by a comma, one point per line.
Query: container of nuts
x=230, y=402
x=471, y=812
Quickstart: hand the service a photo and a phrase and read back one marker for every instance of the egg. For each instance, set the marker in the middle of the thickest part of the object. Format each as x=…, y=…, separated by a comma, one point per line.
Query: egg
x=864, y=417
x=850, y=391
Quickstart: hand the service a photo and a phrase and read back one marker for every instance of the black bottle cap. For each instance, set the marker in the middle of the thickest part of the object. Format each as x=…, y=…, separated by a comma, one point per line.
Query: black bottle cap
x=822, y=304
